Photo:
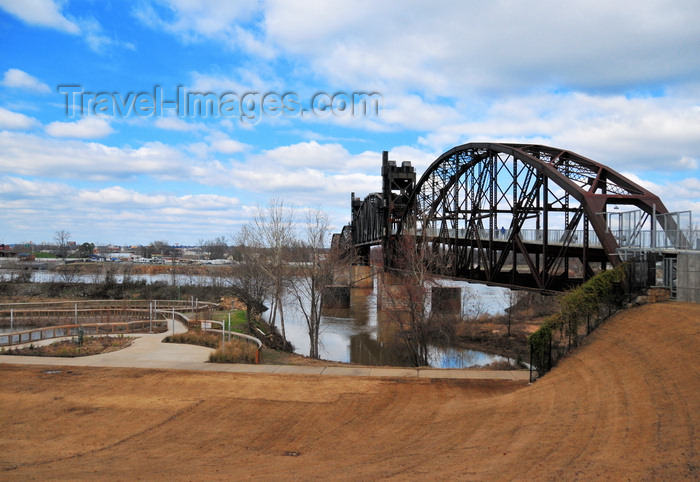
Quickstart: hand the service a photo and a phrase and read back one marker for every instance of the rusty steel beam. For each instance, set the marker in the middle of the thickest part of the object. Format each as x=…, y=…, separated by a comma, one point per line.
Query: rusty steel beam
x=463, y=200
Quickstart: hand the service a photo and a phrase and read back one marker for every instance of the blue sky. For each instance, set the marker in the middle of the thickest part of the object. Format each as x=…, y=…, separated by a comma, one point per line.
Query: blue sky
x=616, y=84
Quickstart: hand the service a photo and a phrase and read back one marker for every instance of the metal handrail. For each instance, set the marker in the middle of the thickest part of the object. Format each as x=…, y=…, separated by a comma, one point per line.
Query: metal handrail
x=134, y=304
x=93, y=309
x=258, y=352
x=61, y=331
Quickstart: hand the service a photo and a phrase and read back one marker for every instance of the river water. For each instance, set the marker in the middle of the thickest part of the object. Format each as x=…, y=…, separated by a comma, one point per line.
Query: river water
x=359, y=334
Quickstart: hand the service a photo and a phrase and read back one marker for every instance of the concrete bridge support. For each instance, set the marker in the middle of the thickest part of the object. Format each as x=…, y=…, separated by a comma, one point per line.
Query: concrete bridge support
x=337, y=297
x=688, y=277
x=389, y=290
x=361, y=276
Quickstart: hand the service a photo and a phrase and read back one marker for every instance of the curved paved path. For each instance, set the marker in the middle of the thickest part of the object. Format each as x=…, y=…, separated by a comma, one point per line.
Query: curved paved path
x=148, y=351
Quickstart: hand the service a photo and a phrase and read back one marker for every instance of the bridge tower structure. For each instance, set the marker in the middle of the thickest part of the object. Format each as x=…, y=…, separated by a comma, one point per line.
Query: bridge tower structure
x=510, y=214
x=398, y=183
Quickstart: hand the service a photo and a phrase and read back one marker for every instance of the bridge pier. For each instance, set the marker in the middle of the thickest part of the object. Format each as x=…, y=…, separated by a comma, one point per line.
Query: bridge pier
x=388, y=291
x=361, y=276
x=388, y=323
x=362, y=254
x=337, y=297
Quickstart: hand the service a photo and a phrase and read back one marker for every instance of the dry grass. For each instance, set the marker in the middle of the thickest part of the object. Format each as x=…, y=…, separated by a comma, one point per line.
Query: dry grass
x=92, y=345
x=502, y=365
x=234, y=351
x=201, y=338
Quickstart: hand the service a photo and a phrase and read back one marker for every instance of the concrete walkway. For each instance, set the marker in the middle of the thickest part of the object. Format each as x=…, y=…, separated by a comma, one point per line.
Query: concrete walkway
x=148, y=351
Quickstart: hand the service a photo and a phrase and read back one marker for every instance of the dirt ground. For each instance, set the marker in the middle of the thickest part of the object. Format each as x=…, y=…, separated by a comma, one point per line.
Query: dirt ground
x=625, y=406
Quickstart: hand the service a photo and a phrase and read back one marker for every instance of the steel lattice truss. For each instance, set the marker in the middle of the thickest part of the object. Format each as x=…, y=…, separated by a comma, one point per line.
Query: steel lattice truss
x=515, y=214
x=368, y=224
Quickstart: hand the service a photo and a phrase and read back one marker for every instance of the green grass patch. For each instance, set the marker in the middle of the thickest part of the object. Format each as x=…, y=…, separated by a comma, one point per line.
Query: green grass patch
x=44, y=255
x=238, y=320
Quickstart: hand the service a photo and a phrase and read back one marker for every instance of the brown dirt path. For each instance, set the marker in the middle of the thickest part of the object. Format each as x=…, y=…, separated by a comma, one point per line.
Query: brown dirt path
x=626, y=405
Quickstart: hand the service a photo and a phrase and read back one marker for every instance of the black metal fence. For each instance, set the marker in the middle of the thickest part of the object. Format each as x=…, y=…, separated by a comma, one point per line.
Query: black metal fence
x=552, y=342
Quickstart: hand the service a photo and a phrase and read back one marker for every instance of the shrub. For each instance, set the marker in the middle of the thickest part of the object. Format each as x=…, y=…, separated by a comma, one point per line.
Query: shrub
x=201, y=338
x=604, y=290
x=503, y=365
x=234, y=351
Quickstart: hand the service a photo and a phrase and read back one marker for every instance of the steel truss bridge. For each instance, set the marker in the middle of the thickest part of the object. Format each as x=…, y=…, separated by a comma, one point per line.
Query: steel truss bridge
x=511, y=214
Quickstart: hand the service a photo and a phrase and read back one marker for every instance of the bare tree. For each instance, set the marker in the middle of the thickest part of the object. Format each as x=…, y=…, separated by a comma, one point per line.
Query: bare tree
x=216, y=248
x=156, y=247
x=274, y=228
x=692, y=235
x=62, y=237
x=405, y=291
x=314, y=275
x=249, y=280
x=20, y=272
x=127, y=267
x=511, y=299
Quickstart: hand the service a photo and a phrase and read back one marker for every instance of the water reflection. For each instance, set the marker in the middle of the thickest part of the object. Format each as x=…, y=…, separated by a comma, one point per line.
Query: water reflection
x=362, y=334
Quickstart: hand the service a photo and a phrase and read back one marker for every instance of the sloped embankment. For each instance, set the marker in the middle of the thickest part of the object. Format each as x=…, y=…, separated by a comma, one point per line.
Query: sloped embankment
x=625, y=405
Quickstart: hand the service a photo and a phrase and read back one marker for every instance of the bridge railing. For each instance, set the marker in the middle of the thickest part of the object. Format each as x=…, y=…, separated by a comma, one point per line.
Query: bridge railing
x=626, y=238
x=554, y=236
x=660, y=239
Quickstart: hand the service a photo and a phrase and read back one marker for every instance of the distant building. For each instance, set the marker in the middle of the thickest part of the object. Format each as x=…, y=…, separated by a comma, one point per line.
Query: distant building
x=7, y=251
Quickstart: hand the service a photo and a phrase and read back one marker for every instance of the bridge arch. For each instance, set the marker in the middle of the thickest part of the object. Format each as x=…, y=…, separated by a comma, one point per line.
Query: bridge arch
x=522, y=214
x=513, y=214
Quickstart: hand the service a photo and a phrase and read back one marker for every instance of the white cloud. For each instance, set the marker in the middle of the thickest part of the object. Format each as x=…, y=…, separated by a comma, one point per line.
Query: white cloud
x=202, y=18
x=419, y=159
x=117, y=195
x=15, y=188
x=44, y=13
x=413, y=112
x=222, y=143
x=102, y=214
x=307, y=154
x=175, y=124
x=457, y=51
x=683, y=195
x=47, y=13
x=96, y=39
x=31, y=155
x=215, y=19
x=15, y=120
x=86, y=128
x=331, y=157
x=486, y=47
x=644, y=133
x=21, y=80
x=239, y=81
x=310, y=173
